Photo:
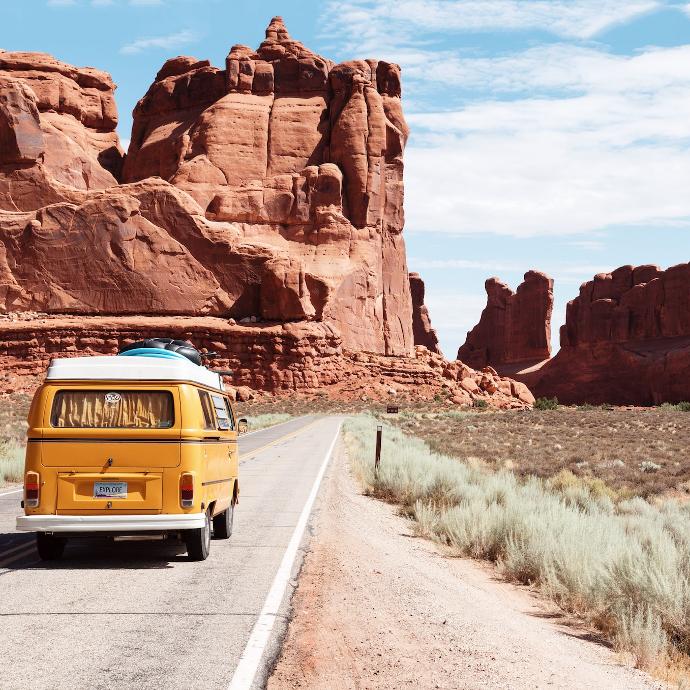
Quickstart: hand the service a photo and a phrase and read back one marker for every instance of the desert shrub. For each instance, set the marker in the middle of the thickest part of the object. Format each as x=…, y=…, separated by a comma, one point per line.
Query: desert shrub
x=623, y=565
x=11, y=461
x=480, y=404
x=683, y=407
x=261, y=421
x=546, y=404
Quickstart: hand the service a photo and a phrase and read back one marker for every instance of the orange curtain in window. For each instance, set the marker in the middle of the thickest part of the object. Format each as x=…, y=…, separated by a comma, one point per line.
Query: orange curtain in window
x=121, y=409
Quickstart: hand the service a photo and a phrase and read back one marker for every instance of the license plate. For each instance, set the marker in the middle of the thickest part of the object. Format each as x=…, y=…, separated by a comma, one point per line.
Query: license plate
x=110, y=490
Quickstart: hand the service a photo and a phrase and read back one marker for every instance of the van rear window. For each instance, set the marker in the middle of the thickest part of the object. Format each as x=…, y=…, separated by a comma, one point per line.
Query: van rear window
x=104, y=409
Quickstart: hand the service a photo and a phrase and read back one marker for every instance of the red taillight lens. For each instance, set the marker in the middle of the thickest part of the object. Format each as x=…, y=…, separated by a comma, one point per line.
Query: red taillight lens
x=186, y=490
x=32, y=490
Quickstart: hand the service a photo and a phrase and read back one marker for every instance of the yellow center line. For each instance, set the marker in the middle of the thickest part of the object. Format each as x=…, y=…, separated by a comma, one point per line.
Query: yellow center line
x=244, y=456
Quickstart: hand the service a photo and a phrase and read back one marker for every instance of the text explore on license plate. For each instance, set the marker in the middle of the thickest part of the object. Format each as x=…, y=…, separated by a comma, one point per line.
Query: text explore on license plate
x=110, y=490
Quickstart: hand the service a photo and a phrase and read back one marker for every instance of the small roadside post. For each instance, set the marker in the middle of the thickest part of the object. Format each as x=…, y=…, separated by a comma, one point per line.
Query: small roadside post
x=377, y=461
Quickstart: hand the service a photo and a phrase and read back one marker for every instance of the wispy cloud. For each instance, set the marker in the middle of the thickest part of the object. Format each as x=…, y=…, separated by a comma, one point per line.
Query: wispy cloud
x=142, y=3
x=61, y=3
x=369, y=24
x=169, y=42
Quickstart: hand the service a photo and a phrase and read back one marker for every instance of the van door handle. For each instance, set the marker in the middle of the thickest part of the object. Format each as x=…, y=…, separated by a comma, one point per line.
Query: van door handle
x=213, y=438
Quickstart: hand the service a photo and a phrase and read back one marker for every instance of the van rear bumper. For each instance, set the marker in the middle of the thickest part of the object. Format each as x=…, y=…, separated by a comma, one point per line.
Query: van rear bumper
x=109, y=523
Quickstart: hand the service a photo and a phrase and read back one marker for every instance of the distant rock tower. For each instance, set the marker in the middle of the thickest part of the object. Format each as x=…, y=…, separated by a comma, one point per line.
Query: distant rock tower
x=515, y=327
x=423, y=333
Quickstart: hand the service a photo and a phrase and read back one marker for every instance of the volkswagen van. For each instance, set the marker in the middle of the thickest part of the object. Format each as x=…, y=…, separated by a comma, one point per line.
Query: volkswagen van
x=140, y=445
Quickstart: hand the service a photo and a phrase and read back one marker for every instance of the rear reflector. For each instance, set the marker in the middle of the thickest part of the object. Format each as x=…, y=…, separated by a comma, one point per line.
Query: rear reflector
x=32, y=490
x=186, y=490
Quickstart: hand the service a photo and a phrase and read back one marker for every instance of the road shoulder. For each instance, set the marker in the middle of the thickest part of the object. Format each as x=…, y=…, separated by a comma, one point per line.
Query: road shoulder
x=377, y=608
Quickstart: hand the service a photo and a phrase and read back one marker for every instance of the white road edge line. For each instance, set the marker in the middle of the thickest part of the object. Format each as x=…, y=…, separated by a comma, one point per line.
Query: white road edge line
x=9, y=493
x=248, y=664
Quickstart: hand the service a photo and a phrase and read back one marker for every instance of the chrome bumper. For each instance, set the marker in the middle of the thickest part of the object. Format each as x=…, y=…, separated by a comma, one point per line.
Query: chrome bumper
x=109, y=523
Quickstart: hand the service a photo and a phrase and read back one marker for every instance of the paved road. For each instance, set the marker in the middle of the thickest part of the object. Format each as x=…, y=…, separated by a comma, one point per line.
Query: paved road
x=139, y=615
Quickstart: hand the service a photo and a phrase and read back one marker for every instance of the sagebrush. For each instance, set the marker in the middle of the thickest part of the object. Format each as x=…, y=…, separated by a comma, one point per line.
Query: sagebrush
x=624, y=566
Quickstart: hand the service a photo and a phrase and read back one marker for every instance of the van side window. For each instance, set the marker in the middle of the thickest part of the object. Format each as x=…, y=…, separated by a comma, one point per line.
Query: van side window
x=207, y=407
x=230, y=414
x=225, y=421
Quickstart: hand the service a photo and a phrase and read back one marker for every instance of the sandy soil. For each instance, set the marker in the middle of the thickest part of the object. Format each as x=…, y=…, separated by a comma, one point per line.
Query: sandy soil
x=377, y=608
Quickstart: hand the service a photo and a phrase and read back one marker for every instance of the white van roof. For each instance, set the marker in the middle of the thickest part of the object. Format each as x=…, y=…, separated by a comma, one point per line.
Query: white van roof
x=131, y=369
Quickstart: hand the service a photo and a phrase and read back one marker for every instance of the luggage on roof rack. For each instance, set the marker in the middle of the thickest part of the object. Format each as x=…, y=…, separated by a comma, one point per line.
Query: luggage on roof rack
x=181, y=347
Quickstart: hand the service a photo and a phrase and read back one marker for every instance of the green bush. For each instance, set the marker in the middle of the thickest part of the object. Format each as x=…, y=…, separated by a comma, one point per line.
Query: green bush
x=480, y=404
x=546, y=404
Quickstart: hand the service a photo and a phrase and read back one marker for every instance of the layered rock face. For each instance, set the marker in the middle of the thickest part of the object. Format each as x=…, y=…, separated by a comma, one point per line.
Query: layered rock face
x=422, y=330
x=303, y=160
x=57, y=131
x=280, y=197
x=515, y=327
x=626, y=340
x=258, y=213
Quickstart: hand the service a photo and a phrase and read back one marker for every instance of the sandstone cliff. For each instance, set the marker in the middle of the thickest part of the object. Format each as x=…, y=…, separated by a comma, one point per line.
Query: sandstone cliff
x=281, y=195
x=258, y=212
x=515, y=327
x=422, y=330
x=626, y=340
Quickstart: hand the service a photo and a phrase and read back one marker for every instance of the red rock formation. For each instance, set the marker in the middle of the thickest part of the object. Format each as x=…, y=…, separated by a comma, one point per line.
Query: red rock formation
x=293, y=167
x=280, y=358
x=423, y=333
x=271, y=190
x=626, y=340
x=514, y=326
x=57, y=131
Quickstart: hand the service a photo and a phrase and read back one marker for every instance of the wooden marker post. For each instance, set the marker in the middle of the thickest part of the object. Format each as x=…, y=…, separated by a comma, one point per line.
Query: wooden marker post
x=377, y=461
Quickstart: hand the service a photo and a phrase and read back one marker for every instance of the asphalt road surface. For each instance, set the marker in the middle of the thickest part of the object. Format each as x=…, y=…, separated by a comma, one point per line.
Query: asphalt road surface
x=139, y=615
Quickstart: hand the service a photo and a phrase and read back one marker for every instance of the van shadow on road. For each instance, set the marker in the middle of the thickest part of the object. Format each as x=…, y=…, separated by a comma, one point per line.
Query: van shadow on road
x=17, y=552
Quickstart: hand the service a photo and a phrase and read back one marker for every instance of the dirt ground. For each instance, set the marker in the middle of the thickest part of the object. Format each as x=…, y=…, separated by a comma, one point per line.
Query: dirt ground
x=376, y=608
x=634, y=451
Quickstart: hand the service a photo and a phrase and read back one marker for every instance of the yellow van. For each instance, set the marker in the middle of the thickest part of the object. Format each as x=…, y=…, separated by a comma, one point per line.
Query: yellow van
x=142, y=446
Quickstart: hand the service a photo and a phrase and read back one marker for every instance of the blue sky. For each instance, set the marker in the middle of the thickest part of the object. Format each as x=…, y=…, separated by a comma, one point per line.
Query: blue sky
x=546, y=134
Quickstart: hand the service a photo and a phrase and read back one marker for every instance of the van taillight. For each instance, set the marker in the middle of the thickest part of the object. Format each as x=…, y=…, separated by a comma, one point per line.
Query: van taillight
x=186, y=490
x=32, y=489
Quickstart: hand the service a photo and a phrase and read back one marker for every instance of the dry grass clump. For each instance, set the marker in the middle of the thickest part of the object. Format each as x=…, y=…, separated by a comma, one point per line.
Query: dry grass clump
x=624, y=567
x=634, y=451
x=13, y=412
x=11, y=462
x=261, y=421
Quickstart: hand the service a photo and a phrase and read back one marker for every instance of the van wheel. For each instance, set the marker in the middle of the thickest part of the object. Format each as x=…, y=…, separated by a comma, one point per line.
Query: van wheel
x=222, y=524
x=199, y=540
x=50, y=547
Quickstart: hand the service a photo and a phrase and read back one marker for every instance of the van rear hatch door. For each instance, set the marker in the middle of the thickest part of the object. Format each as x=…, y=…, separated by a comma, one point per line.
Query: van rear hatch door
x=106, y=454
x=110, y=428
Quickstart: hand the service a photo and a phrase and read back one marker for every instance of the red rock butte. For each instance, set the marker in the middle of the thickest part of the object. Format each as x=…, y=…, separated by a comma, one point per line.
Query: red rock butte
x=514, y=326
x=626, y=339
x=268, y=193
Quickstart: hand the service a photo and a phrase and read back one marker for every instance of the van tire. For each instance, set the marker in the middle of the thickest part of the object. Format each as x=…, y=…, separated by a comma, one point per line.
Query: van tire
x=222, y=523
x=199, y=540
x=50, y=547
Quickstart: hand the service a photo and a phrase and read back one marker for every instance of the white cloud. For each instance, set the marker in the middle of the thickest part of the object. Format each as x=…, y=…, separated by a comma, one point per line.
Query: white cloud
x=169, y=42
x=61, y=3
x=102, y=3
x=142, y=3
x=616, y=154
x=371, y=24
